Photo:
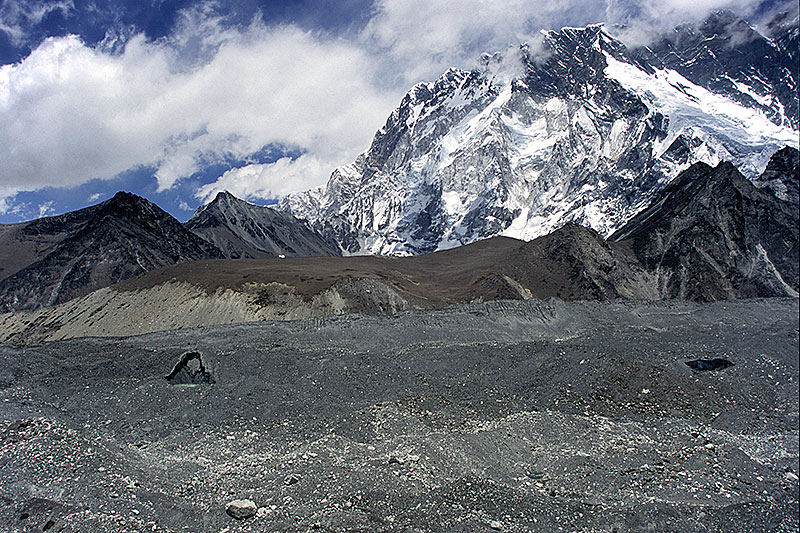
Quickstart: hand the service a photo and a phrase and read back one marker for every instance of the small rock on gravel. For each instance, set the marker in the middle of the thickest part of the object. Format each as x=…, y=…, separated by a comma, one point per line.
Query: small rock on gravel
x=241, y=509
x=291, y=479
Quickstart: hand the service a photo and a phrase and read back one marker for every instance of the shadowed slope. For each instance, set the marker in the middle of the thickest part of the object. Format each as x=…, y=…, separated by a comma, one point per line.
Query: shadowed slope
x=711, y=234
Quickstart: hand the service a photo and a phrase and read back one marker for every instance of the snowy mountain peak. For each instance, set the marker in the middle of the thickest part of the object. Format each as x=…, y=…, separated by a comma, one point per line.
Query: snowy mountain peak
x=578, y=128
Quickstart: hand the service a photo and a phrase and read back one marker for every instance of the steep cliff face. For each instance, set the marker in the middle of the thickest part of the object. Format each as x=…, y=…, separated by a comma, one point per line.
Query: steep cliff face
x=244, y=230
x=711, y=234
x=782, y=176
x=75, y=253
x=583, y=130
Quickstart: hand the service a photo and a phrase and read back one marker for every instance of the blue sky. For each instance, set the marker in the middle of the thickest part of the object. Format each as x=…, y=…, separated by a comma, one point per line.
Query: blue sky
x=178, y=99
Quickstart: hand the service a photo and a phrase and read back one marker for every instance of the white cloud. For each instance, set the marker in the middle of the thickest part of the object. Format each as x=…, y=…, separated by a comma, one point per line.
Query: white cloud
x=45, y=208
x=267, y=180
x=73, y=113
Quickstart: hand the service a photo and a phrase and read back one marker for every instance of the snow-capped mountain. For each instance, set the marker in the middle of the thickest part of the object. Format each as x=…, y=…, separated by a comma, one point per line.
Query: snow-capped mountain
x=578, y=128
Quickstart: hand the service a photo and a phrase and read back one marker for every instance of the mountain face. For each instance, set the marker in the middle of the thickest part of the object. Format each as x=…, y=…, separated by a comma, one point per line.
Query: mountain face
x=580, y=129
x=729, y=57
x=69, y=255
x=782, y=176
x=243, y=230
x=711, y=234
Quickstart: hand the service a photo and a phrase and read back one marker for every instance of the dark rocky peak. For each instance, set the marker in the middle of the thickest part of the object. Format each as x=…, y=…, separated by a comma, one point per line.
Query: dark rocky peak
x=122, y=205
x=213, y=212
x=693, y=187
x=782, y=175
x=244, y=230
x=711, y=234
x=130, y=206
x=784, y=161
x=97, y=246
x=576, y=263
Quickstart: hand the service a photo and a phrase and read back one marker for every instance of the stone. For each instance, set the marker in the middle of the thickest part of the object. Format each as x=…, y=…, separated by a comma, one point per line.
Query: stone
x=291, y=479
x=241, y=509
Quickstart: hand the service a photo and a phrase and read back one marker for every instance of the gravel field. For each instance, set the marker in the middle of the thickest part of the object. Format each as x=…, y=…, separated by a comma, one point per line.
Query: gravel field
x=500, y=416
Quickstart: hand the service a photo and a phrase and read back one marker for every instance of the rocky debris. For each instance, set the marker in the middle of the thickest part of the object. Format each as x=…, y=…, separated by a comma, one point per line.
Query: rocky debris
x=292, y=478
x=529, y=413
x=241, y=509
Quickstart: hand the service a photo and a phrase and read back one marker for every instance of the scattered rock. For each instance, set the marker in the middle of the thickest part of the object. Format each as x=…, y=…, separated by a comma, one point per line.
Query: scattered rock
x=291, y=479
x=709, y=364
x=496, y=524
x=241, y=509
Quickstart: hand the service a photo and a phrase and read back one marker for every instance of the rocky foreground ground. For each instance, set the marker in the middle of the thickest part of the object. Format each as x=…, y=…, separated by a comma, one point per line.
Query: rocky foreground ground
x=509, y=416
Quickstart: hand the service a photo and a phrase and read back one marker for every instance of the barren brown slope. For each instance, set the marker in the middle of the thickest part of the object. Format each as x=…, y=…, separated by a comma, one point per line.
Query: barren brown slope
x=573, y=263
x=441, y=276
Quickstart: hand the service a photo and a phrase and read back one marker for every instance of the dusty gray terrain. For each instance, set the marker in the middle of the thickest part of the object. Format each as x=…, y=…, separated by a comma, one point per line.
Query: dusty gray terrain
x=510, y=416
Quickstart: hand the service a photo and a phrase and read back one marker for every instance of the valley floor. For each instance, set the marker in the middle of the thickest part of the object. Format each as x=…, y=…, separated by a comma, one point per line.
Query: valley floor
x=509, y=416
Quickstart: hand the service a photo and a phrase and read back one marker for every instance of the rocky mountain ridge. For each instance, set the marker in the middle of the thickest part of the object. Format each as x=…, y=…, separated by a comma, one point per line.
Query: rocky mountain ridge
x=94, y=247
x=54, y=259
x=711, y=234
x=244, y=230
x=585, y=131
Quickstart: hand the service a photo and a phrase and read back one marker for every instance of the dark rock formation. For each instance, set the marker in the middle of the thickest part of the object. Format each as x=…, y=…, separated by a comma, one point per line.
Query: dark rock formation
x=711, y=234
x=244, y=230
x=94, y=247
x=190, y=371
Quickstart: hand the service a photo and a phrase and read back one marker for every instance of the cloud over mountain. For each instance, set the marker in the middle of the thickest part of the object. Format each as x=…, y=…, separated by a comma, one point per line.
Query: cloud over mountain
x=216, y=93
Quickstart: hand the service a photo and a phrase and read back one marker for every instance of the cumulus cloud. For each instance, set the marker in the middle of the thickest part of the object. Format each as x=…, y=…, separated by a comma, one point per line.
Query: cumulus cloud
x=267, y=180
x=45, y=208
x=74, y=113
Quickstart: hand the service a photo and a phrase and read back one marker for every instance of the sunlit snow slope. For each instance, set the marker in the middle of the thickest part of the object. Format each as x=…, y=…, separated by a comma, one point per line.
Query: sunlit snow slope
x=584, y=130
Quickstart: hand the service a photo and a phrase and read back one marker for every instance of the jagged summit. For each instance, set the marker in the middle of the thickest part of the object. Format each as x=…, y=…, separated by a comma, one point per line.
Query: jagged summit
x=712, y=234
x=586, y=131
x=61, y=257
x=245, y=230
